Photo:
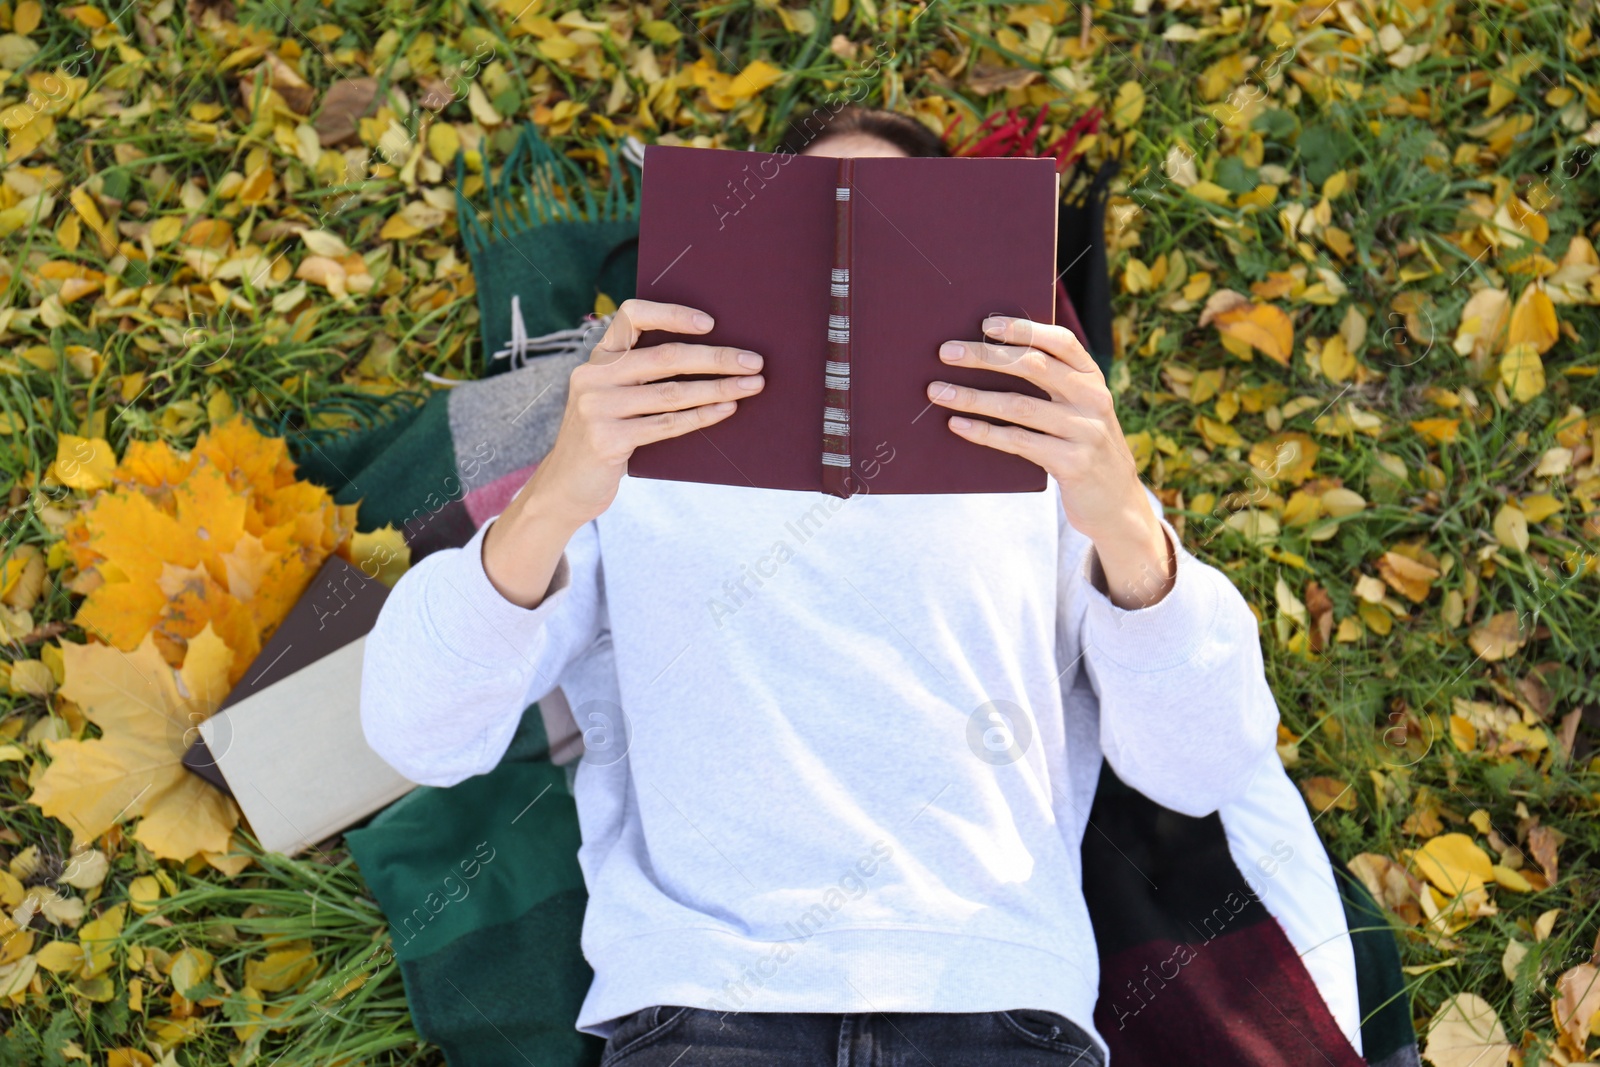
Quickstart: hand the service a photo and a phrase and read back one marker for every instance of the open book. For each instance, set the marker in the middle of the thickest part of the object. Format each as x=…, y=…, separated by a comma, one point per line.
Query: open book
x=846, y=275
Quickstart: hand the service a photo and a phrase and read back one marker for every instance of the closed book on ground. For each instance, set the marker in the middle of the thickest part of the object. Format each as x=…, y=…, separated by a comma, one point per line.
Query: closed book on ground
x=287, y=742
x=846, y=275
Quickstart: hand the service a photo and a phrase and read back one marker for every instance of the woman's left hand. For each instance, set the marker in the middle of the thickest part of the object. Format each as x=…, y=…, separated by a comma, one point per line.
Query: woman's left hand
x=1074, y=436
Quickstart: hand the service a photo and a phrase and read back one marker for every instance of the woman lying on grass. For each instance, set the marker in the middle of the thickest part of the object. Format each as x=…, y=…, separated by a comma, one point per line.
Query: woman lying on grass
x=795, y=851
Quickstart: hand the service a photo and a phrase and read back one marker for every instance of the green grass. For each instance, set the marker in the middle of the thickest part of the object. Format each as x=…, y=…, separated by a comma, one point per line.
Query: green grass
x=315, y=366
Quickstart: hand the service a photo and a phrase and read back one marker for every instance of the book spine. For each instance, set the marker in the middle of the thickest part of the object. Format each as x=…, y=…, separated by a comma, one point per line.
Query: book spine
x=836, y=376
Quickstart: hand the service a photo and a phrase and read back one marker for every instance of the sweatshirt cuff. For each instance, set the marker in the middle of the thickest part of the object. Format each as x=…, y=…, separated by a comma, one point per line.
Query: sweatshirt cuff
x=1164, y=634
x=470, y=616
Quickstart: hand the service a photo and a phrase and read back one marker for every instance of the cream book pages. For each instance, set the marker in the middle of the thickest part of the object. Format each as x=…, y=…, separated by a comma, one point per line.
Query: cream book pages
x=296, y=759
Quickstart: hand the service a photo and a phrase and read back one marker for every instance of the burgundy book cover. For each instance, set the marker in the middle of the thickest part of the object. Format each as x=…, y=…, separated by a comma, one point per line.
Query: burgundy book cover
x=340, y=605
x=846, y=275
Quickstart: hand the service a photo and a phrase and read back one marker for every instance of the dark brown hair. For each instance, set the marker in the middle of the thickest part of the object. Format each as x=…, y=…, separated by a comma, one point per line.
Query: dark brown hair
x=821, y=123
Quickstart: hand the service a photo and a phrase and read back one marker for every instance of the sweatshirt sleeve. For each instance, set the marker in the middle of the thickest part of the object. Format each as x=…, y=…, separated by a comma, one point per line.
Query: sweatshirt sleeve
x=451, y=665
x=1185, y=711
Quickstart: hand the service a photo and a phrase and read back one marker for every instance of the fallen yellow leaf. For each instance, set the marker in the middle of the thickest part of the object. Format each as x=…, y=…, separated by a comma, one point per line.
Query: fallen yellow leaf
x=30, y=677
x=84, y=463
x=753, y=79
x=1377, y=618
x=1453, y=863
x=165, y=230
x=26, y=18
x=1437, y=431
x=1511, y=527
x=99, y=938
x=1218, y=434
x=1210, y=192
x=1506, y=878
x=1522, y=372
x=189, y=968
x=1325, y=793
x=1540, y=506
x=1497, y=637
x=1408, y=577
x=382, y=554
x=1129, y=105
x=1483, y=323
x=60, y=956
x=1342, y=502
x=283, y=968
x=1533, y=320
x=1264, y=327
x=1466, y=1032
x=143, y=893
x=398, y=228
x=224, y=535
x=147, y=713
x=323, y=271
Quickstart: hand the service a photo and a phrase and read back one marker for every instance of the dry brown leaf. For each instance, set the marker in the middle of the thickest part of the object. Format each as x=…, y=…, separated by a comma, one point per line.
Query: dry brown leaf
x=345, y=102
x=1543, y=842
x=290, y=85
x=986, y=78
x=1390, y=884
x=1533, y=688
x=1320, y=607
x=210, y=12
x=1577, y=1001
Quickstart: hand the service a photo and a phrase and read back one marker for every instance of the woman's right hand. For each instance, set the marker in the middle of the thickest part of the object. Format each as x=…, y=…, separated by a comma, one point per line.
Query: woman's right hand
x=617, y=401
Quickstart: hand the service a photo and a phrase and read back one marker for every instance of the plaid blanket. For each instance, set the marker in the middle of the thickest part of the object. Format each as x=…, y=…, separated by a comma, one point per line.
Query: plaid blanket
x=493, y=968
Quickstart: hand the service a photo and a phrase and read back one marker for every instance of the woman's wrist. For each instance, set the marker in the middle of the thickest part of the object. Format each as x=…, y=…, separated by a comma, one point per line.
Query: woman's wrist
x=1137, y=560
x=542, y=505
x=524, y=546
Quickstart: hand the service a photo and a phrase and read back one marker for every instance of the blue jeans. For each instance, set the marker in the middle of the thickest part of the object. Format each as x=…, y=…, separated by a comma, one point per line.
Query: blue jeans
x=670, y=1036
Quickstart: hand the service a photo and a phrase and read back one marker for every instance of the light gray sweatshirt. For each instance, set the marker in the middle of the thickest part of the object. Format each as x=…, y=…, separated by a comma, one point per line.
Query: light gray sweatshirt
x=840, y=753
